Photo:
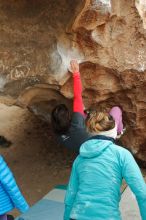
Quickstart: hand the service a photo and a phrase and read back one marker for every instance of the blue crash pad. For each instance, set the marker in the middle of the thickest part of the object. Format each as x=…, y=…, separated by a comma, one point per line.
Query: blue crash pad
x=44, y=210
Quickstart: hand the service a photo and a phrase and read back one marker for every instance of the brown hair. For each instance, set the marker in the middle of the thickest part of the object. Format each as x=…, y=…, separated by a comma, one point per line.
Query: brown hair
x=99, y=121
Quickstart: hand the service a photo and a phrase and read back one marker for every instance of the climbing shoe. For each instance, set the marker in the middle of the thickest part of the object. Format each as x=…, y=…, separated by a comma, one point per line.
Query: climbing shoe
x=4, y=142
x=10, y=217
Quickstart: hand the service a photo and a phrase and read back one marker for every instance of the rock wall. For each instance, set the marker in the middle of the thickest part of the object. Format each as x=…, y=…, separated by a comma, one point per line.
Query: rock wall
x=40, y=37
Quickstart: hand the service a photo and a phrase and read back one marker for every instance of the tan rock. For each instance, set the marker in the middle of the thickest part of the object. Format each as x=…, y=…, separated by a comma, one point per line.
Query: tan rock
x=39, y=38
x=141, y=7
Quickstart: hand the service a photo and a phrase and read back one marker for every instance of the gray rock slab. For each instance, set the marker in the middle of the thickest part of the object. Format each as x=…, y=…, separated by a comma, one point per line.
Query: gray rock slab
x=128, y=206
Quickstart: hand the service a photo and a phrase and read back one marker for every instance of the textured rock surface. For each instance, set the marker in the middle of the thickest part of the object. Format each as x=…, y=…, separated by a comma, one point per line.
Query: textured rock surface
x=39, y=37
x=141, y=7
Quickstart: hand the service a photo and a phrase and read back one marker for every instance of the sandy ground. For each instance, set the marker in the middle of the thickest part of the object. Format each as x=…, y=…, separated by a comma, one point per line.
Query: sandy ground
x=35, y=158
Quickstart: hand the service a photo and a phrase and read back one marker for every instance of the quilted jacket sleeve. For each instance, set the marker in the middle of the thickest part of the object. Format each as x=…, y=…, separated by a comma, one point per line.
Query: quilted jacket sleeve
x=135, y=180
x=9, y=184
x=71, y=192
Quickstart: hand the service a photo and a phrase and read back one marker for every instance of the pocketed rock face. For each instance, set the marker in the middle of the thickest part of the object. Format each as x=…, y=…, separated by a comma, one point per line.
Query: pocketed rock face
x=111, y=35
x=39, y=38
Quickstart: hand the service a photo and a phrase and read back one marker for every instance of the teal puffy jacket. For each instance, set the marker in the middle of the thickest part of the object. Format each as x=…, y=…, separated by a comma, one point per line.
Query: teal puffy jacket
x=10, y=195
x=94, y=187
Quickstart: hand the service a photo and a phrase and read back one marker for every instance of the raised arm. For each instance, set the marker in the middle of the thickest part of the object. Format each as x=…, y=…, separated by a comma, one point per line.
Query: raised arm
x=78, y=105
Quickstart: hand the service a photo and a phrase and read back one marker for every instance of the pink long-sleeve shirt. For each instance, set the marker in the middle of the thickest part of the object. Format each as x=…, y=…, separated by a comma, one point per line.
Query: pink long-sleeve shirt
x=78, y=105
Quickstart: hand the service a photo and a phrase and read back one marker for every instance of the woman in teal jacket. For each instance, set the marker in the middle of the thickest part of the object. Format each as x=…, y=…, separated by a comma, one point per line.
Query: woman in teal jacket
x=10, y=195
x=94, y=187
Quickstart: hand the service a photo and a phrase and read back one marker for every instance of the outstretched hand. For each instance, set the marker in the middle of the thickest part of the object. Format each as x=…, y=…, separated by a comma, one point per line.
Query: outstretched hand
x=74, y=66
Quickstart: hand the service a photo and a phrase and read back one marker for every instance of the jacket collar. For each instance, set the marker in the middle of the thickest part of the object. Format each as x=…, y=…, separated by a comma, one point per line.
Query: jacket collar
x=102, y=137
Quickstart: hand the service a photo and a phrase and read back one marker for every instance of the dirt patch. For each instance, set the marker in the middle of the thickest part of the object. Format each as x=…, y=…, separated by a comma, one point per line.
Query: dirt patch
x=35, y=158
